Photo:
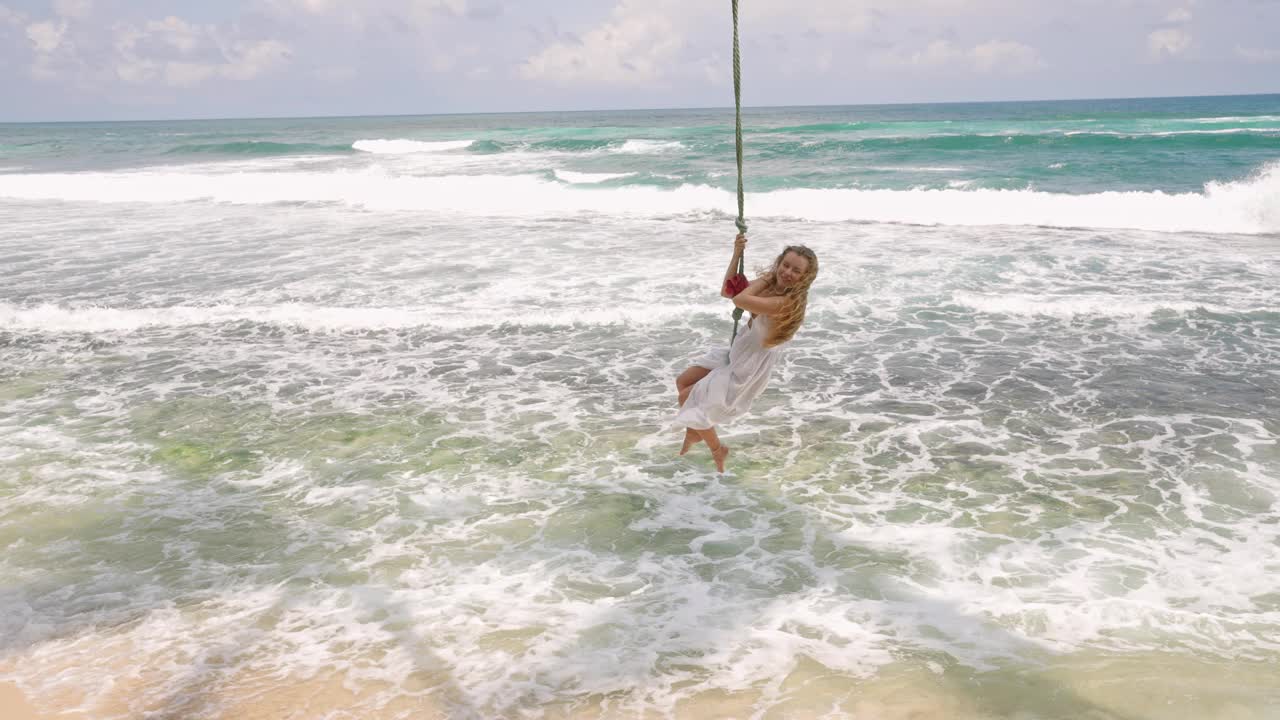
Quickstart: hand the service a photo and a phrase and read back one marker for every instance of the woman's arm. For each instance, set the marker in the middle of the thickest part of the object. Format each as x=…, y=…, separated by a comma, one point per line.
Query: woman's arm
x=751, y=300
x=739, y=246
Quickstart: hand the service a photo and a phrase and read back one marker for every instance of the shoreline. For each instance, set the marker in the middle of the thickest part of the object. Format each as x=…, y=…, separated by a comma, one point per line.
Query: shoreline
x=1082, y=685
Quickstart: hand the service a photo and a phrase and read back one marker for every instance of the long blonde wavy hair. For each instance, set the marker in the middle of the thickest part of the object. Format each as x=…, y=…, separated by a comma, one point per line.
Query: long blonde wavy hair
x=783, y=326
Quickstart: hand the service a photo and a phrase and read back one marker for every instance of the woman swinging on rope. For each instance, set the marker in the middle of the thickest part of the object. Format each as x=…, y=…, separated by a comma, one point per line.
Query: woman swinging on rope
x=721, y=385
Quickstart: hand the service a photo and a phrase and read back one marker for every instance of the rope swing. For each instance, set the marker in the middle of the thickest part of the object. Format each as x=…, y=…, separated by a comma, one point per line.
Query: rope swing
x=737, y=138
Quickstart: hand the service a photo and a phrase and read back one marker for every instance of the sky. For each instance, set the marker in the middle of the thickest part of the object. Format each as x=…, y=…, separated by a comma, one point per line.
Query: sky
x=164, y=59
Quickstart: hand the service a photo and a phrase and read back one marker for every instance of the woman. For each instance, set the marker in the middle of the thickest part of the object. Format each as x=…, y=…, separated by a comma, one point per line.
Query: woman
x=722, y=384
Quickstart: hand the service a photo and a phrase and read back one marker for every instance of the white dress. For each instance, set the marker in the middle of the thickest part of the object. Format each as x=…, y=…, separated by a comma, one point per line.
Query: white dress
x=737, y=378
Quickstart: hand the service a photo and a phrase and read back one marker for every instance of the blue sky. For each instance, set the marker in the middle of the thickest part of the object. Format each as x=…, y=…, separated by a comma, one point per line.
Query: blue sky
x=118, y=59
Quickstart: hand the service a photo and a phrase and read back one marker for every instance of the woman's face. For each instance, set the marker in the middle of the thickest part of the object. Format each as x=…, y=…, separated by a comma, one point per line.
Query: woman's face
x=791, y=269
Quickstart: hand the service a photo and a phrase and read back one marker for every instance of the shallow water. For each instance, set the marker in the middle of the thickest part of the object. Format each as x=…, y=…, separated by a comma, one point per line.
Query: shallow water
x=279, y=457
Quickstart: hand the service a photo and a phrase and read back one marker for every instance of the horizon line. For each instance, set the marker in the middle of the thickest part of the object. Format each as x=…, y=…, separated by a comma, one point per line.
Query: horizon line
x=633, y=109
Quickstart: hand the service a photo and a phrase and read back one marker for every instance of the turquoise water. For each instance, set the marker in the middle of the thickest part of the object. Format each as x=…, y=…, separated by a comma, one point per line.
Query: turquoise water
x=375, y=413
x=1175, y=145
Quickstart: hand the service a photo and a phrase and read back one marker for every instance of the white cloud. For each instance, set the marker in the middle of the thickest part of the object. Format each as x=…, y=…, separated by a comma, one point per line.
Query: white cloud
x=852, y=17
x=315, y=7
x=46, y=36
x=1178, y=15
x=73, y=9
x=656, y=43
x=79, y=53
x=1005, y=56
x=244, y=61
x=52, y=50
x=425, y=9
x=637, y=46
x=360, y=16
x=11, y=17
x=833, y=16
x=350, y=16
x=1168, y=42
x=1257, y=55
x=936, y=53
x=177, y=33
x=234, y=61
x=249, y=60
x=179, y=54
x=994, y=56
x=187, y=74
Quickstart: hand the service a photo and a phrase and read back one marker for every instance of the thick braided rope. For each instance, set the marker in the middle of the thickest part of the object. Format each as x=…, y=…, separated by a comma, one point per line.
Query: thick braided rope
x=737, y=138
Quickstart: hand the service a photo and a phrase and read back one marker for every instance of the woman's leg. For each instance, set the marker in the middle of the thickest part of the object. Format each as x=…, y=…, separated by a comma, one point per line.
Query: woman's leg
x=689, y=378
x=691, y=438
x=684, y=386
x=719, y=451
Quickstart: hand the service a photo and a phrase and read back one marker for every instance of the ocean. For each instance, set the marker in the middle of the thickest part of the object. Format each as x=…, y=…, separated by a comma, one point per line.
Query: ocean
x=371, y=417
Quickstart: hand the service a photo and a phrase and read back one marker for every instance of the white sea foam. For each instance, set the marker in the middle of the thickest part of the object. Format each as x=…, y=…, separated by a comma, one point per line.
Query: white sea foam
x=581, y=178
x=1167, y=133
x=915, y=168
x=645, y=147
x=1222, y=131
x=1073, y=306
x=87, y=319
x=404, y=147
x=1239, y=119
x=1250, y=206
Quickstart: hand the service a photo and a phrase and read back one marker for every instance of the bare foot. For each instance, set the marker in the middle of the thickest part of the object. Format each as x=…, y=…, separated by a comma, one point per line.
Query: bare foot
x=691, y=438
x=719, y=454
